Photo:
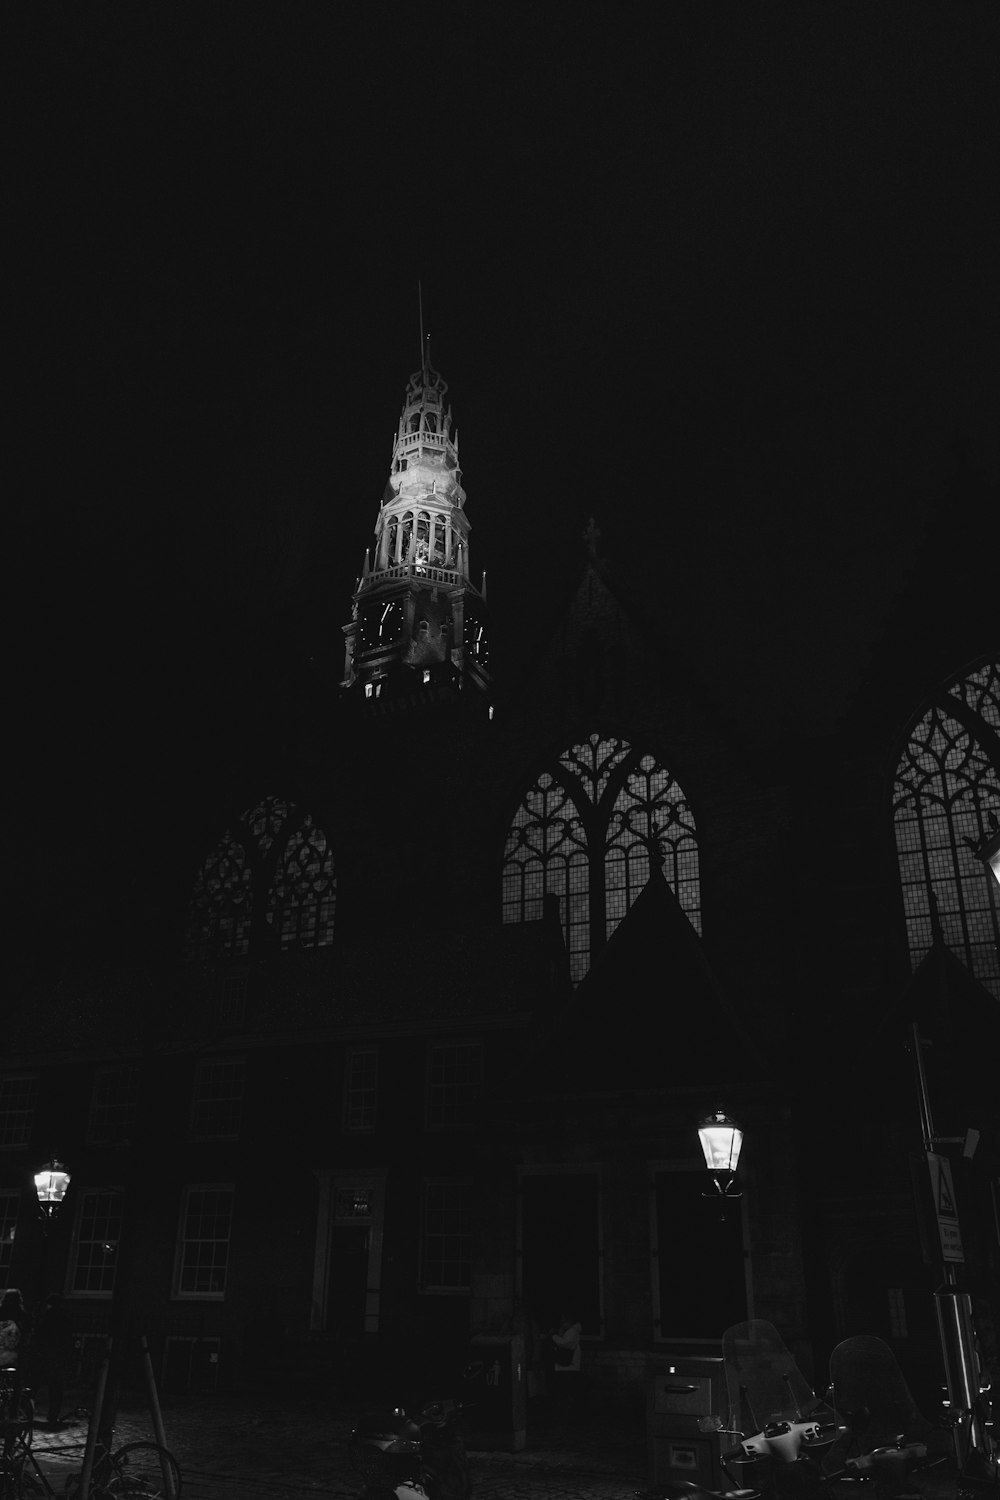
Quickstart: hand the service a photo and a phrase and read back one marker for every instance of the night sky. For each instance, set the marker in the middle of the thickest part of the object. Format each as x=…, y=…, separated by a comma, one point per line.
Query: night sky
x=722, y=275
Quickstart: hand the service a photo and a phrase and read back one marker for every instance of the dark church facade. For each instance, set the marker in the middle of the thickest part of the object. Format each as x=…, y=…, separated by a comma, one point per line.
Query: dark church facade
x=448, y=999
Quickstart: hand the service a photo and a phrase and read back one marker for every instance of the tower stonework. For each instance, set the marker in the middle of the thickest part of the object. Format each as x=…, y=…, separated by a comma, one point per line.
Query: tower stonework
x=419, y=629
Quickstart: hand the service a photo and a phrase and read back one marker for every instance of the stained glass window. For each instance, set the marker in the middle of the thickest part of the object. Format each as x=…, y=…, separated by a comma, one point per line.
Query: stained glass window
x=300, y=900
x=271, y=878
x=947, y=785
x=584, y=832
x=222, y=903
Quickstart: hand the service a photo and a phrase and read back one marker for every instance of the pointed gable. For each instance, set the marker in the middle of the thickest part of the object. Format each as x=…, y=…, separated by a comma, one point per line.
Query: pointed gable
x=651, y=1014
x=959, y=1025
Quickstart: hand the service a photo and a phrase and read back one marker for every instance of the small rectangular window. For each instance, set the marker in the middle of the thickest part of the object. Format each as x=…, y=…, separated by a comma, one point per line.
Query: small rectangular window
x=203, y=1251
x=454, y=1085
x=446, y=1248
x=10, y=1203
x=17, y=1110
x=218, y=1099
x=112, y=1105
x=233, y=999
x=361, y=1089
x=95, y=1244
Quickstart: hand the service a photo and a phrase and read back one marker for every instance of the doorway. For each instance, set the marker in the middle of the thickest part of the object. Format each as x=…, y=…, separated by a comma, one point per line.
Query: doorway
x=347, y=1286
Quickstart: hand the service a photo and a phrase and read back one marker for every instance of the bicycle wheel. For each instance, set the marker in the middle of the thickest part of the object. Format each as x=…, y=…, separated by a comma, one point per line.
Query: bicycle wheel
x=31, y=1486
x=144, y=1469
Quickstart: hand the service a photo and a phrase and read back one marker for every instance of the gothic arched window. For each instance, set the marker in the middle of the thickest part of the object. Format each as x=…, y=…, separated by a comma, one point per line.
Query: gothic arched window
x=584, y=832
x=270, y=880
x=947, y=782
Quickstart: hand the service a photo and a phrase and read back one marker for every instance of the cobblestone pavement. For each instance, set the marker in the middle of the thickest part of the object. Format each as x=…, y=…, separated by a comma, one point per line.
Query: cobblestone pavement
x=256, y=1447
x=269, y=1447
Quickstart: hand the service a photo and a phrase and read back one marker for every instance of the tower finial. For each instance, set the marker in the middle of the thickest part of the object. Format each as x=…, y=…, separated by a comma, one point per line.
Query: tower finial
x=592, y=536
x=420, y=309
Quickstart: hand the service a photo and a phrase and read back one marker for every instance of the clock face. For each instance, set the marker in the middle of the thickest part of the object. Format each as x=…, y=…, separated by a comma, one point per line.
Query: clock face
x=477, y=640
x=381, y=625
x=390, y=623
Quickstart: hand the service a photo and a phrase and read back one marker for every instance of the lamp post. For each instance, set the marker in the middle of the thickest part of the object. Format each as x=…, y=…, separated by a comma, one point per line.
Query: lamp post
x=988, y=847
x=51, y=1182
x=721, y=1142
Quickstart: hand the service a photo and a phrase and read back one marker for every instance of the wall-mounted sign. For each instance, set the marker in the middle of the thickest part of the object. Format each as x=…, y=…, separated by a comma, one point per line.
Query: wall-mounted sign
x=944, y=1207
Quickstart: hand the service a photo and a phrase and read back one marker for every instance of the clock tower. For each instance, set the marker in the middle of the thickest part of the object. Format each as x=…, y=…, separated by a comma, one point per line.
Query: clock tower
x=419, y=629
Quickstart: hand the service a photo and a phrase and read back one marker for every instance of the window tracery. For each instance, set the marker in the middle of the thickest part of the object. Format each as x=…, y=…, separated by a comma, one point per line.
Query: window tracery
x=271, y=878
x=584, y=833
x=300, y=901
x=947, y=782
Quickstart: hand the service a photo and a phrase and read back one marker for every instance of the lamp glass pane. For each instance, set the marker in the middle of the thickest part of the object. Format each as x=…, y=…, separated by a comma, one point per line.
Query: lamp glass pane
x=51, y=1184
x=721, y=1144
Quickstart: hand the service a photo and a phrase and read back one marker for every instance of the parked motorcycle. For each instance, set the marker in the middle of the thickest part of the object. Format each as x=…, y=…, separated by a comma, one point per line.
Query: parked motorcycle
x=783, y=1428
x=886, y=1438
x=399, y=1458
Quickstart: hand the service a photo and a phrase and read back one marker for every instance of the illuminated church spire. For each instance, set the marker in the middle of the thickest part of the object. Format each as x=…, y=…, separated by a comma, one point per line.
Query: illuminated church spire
x=418, y=622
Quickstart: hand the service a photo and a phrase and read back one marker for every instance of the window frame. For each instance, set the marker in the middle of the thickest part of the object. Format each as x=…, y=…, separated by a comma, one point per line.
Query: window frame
x=179, y=1293
x=476, y=1088
x=465, y=1184
x=126, y=1110
x=115, y=1191
x=204, y=1064
x=353, y=1053
x=23, y=1139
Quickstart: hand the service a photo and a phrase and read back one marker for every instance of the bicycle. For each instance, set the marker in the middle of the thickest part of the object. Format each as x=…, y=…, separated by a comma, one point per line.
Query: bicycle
x=17, y=1423
x=135, y=1471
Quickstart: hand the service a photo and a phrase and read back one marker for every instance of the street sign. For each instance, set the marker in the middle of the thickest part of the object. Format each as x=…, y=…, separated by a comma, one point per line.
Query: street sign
x=944, y=1207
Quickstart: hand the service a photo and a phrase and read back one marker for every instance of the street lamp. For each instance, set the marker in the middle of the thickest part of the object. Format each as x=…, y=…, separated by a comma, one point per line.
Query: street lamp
x=50, y=1185
x=988, y=848
x=721, y=1139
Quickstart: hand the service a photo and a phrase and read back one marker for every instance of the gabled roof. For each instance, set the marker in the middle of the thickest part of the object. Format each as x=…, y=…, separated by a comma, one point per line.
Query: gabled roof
x=959, y=1025
x=651, y=1013
x=608, y=659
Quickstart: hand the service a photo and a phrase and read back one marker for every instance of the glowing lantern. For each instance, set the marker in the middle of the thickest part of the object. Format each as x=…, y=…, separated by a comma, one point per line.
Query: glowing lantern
x=50, y=1185
x=990, y=852
x=721, y=1139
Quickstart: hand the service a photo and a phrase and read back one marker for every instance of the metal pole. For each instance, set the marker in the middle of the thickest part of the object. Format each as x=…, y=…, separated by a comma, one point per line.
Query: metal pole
x=94, y=1425
x=953, y=1307
x=926, y=1122
x=157, y=1416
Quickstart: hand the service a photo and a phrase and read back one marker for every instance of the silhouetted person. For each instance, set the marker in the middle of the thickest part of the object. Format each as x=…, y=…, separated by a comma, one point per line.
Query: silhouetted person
x=13, y=1329
x=567, y=1382
x=51, y=1353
